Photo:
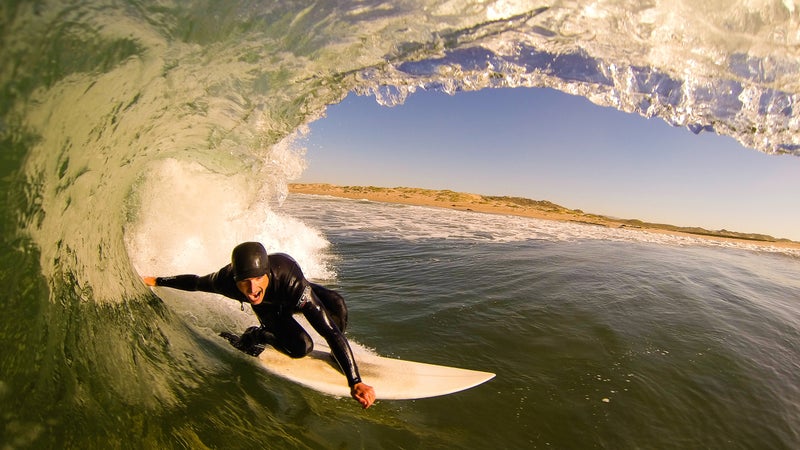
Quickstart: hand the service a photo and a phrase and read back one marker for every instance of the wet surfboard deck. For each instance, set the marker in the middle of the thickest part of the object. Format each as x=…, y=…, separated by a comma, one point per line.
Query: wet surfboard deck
x=392, y=379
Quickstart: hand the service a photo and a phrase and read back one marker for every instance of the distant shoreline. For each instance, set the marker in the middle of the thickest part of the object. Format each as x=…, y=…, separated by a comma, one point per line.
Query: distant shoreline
x=523, y=207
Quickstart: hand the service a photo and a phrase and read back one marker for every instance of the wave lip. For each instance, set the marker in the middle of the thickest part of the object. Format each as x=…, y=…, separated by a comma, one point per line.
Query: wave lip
x=664, y=60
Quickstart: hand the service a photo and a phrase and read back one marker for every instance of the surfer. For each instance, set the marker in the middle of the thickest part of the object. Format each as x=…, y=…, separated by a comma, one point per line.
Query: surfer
x=275, y=287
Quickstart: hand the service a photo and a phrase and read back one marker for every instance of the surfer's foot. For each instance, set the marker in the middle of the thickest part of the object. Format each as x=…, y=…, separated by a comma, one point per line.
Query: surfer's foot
x=237, y=343
x=252, y=341
x=230, y=337
x=253, y=350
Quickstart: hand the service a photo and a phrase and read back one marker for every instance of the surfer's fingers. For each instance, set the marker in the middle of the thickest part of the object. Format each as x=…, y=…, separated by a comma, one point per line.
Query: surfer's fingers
x=365, y=402
x=149, y=281
x=364, y=394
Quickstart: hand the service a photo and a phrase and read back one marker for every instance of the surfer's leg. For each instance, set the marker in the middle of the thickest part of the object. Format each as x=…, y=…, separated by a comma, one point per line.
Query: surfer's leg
x=291, y=338
x=256, y=336
x=334, y=303
x=252, y=341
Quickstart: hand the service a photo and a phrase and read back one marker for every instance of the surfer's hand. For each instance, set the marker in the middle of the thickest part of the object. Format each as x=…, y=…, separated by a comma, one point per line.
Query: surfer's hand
x=150, y=281
x=364, y=394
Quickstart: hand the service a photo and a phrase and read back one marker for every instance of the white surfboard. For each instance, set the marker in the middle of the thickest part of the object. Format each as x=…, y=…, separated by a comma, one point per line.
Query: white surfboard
x=392, y=379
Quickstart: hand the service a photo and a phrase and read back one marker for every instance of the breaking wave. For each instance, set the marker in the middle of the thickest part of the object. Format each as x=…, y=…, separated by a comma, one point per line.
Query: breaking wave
x=152, y=136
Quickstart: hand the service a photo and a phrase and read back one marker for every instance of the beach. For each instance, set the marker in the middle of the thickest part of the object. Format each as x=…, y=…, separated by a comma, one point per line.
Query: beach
x=522, y=207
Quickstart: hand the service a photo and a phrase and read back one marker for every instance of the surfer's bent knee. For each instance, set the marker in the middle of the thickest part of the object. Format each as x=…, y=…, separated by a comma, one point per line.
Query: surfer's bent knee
x=298, y=348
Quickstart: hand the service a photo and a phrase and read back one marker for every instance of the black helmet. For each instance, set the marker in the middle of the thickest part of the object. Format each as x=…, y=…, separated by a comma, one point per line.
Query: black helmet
x=249, y=260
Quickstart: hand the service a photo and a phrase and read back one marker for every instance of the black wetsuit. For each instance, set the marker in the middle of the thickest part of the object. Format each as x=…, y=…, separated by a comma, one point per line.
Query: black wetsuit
x=288, y=292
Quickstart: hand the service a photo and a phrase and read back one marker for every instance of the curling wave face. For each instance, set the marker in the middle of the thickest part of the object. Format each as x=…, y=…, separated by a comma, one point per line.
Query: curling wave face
x=104, y=92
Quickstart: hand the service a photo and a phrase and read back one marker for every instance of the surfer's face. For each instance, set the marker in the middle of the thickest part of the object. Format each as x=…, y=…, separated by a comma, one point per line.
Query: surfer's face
x=254, y=288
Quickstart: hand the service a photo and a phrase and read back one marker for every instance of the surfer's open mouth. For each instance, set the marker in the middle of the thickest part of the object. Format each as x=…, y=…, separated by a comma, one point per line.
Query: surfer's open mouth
x=255, y=298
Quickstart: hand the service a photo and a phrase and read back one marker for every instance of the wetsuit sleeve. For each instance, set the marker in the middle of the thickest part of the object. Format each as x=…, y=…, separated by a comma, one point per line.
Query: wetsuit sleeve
x=189, y=282
x=318, y=317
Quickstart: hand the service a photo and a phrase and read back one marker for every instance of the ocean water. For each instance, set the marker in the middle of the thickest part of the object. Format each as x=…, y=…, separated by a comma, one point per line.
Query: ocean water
x=600, y=338
x=150, y=137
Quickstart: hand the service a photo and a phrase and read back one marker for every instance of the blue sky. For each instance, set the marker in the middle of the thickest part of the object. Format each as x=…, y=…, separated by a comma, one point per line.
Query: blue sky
x=546, y=145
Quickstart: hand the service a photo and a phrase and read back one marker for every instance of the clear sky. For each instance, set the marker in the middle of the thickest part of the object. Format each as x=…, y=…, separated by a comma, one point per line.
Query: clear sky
x=546, y=145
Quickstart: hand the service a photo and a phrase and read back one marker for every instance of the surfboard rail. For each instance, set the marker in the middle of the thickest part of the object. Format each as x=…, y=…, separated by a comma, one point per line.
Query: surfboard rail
x=392, y=379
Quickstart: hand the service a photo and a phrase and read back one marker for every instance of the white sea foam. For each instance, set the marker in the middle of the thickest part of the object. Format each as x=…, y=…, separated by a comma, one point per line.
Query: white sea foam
x=419, y=222
x=191, y=218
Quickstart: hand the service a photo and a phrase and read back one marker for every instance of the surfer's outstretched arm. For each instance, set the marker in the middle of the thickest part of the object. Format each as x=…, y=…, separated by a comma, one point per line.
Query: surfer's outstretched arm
x=182, y=282
x=186, y=282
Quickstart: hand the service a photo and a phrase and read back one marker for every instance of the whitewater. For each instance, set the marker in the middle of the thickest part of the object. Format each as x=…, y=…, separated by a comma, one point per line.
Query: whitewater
x=150, y=137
